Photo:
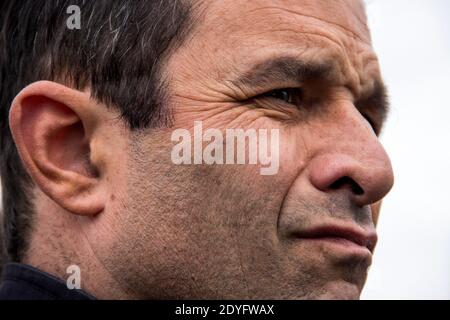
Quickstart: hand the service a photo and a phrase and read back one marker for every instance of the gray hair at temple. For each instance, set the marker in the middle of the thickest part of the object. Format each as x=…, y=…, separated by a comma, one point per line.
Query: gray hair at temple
x=116, y=53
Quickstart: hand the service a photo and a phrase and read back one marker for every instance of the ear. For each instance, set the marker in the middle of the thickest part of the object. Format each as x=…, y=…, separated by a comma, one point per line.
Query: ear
x=53, y=126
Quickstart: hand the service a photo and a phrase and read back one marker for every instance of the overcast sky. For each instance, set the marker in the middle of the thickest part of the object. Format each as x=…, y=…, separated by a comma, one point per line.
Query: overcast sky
x=412, y=39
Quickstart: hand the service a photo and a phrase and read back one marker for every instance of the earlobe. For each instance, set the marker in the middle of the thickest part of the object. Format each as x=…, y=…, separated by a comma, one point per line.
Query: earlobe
x=52, y=128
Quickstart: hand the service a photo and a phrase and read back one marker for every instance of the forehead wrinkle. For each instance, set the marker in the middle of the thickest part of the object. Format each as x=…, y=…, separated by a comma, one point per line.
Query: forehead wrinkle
x=349, y=70
x=363, y=20
x=338, y=57
x=346, y=30
x=340, y=50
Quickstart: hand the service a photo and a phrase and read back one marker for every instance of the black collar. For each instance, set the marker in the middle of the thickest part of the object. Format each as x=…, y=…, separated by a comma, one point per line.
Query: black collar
x=23, y=282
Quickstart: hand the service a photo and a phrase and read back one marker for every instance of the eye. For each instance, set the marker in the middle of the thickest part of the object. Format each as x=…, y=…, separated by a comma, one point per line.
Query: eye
x=288, y=95
x=375, y=128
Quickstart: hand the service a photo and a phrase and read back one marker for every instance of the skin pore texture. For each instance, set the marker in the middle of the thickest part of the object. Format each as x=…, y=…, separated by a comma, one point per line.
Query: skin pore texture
x=140, y=226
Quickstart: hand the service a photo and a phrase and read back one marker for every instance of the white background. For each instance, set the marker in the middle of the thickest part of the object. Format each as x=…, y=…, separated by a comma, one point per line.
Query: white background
x=412, y=260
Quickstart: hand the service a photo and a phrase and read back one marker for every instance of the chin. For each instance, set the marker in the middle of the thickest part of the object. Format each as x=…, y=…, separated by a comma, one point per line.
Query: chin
x=340, y=290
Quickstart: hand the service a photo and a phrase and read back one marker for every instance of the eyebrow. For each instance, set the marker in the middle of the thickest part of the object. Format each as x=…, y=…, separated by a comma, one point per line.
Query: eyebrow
x=284, y=69
x=289, y=69
x=376, y=104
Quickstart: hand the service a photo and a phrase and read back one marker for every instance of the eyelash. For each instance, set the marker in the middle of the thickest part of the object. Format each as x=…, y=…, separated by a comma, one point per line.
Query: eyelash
x=372, y=124
x=295, y=97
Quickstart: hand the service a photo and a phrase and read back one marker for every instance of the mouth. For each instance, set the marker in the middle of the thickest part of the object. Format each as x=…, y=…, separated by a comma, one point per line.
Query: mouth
x=347, y=237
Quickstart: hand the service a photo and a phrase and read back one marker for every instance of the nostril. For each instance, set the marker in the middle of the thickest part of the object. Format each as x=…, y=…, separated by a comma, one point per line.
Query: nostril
x=349, y=183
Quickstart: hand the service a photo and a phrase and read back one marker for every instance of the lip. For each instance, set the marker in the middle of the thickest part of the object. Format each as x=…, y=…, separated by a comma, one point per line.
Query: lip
x=343, y=235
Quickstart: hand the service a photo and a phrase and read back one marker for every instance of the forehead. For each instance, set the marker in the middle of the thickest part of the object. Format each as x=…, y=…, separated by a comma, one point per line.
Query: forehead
x=239, y=33
x=348, y=15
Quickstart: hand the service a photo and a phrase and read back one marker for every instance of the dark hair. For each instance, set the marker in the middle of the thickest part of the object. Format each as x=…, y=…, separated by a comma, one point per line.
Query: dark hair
x=117, y=53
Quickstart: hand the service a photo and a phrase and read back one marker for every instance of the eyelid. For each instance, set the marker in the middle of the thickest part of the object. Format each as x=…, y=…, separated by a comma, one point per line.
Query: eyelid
x=376, y=128
x=295, y=95
x=258, y=89
x=289, y=89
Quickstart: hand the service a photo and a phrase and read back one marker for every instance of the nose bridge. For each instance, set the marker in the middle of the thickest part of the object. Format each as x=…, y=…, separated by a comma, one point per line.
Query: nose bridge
x=352, y=158
x=343, y=130
x=355, y=136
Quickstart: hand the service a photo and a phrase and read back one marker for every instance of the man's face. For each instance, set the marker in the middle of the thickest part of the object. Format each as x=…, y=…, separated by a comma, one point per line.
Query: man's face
x=226, y=231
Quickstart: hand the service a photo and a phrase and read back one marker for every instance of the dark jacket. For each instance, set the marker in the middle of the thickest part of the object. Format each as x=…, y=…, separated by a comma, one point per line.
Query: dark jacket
x=23, y=282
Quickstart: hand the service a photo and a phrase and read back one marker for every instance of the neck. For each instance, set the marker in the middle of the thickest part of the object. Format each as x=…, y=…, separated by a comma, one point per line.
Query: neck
x=58, y=242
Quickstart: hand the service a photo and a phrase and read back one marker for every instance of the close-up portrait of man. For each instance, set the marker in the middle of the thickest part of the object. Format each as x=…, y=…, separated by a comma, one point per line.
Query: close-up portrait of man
x=189, y=149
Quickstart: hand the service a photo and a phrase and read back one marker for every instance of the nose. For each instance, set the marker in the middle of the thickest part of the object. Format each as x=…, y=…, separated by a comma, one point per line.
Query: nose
x=353, y=161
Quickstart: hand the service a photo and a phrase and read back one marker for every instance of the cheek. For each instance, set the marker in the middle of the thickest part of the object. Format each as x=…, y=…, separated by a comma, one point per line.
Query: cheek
x=221, y=200
x=295, y=149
